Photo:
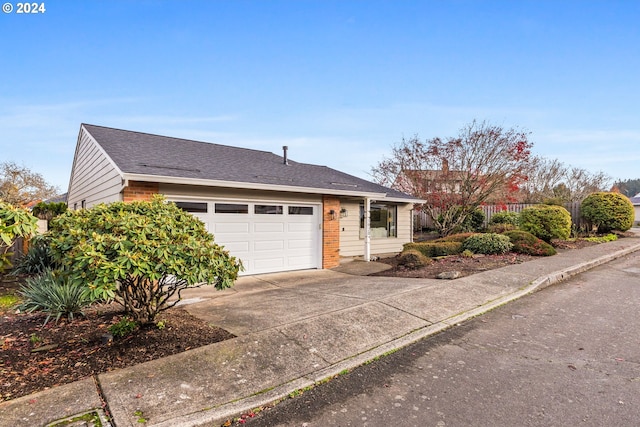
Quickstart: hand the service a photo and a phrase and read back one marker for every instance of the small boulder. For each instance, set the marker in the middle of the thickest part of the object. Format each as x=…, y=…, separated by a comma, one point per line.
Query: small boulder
x=449, y=275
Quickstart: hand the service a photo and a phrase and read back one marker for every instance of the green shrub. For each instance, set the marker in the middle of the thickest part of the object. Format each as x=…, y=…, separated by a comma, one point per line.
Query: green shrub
x=413, y=259
x=37, y=259
x=601, y=239
x=435, y=249
x=608, y=211
x=500, y=228
x=48, y=211
x=140, y=254
x=14, y=223
x=54, y=295
x=506, y=217
x=488, y=243
x=122, y=328
x=528, y=244
x=546, y=222
x=473, y=222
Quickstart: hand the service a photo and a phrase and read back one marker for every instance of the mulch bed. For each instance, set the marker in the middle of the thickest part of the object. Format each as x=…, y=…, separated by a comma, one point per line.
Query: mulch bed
x=36, y=357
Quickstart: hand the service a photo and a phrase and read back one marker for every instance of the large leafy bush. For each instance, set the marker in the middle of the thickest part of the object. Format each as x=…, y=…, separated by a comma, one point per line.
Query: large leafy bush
x=14, y=222
x=546, y=222
x=140, y=254
x=487, y=243
x=608, y=211
x=37, y=259
x=505, y=217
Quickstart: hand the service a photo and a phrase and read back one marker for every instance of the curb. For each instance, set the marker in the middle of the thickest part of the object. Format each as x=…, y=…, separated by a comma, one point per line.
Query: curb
x=222, y=413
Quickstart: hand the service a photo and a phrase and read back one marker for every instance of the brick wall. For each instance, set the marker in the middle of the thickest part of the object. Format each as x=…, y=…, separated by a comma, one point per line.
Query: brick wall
x=137, y=190
x=330, y=232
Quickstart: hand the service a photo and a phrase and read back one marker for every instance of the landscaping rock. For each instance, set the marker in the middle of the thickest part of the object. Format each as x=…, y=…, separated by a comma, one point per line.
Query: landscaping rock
x=449, y=275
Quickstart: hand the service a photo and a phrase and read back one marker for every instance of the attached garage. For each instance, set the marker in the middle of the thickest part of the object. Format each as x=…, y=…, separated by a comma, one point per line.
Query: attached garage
x=268, y=236
x=273, y=213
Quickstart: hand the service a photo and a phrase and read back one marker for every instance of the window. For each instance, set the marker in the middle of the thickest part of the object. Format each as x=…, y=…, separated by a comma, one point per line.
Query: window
x=82, y=204
x=383, y=220
x=267, y=210
x=194, y=207
x=300, y=210
x=231, y=208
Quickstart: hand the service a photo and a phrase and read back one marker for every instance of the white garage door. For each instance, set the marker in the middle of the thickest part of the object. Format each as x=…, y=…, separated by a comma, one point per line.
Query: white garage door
x=267, y=236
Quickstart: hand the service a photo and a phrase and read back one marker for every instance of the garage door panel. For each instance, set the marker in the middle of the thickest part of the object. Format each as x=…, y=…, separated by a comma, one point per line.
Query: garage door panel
x=269, y=264
x=298, y=227
x=300, y=261
x=231, y=227
x=236, y=248
x=268, y=245
x=265, y=227
x=300, y=244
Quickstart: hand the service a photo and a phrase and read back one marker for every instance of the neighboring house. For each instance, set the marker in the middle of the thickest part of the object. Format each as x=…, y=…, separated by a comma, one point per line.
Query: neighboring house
x=635, y=200
x=272, y=213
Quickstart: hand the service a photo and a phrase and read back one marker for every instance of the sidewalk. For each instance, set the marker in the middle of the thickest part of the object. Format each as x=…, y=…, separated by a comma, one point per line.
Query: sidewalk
x=293, y=330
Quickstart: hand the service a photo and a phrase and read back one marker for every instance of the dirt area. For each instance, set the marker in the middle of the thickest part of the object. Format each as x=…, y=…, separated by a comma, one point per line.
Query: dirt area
x=36, y=357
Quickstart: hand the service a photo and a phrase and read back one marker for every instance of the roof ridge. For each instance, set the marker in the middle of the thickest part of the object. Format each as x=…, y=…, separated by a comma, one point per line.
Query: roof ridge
x=181, y=139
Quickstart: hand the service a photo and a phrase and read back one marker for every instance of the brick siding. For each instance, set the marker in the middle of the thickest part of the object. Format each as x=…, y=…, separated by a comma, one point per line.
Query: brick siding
x=330, y=232
x=137, y=190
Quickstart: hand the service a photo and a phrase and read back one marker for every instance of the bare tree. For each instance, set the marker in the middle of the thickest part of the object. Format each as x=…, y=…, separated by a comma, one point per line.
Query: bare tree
x=20, y=186
x=552, y=180
x=457, y=175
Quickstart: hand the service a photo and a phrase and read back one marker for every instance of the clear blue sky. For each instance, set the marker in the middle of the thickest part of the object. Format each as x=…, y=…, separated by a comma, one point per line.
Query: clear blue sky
x=339, y=82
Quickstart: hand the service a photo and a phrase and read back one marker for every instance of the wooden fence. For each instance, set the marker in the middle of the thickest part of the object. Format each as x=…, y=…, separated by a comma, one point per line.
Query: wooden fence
x=421, y=220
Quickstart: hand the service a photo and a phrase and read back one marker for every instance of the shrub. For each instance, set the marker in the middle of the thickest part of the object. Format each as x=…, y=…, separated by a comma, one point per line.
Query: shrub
x=54, y=295
x=472, y=222
x=140, y=254
x=488, y=243
x=48, y=211
x=500, y=228
x=37, y=259
x=546, y=222
x=413, y=259
x=526, y=243
x=608, y=211
x=601, y=239
x=506, y=217
x=122, y=328
x=435, y=249
x=14, y=223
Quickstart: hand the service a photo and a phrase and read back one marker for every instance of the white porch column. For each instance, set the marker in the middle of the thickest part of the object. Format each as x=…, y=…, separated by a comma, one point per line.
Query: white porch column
x=367, y=229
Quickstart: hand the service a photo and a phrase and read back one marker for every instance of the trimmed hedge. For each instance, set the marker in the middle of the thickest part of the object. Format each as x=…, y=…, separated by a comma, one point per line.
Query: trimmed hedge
x=413, y=259
x=435, y=249
x=608, y=211
x=546, y=222
x=459, y=237
x=528, y=244
x=506, y=217
x=488, y=243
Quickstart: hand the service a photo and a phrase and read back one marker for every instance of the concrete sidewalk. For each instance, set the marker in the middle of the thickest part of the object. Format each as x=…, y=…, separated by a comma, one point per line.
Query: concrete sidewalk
x=293, y=330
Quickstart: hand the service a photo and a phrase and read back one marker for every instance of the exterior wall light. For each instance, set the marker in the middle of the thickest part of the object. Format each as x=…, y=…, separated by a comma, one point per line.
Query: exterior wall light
x=332, y=214
x=344, y=213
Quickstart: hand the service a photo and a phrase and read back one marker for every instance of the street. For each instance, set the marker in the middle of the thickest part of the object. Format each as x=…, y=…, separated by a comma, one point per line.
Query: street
x=568, y=355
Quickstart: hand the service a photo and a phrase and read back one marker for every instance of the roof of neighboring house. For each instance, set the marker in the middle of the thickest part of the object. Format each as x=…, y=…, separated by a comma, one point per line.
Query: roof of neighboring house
x=635, y=200
x=57, y=199
x=156, y=157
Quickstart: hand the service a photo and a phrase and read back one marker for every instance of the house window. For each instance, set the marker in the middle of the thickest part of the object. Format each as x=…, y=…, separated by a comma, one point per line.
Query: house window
x=82, y=204
x=232, y=208
x=383, y=220
x=75, y=206
x=193, y=207
x=267, y=209
x=300, y=210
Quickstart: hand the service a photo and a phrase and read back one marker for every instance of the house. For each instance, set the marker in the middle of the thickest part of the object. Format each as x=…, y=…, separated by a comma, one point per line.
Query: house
x=273, y=213
x=635, y=200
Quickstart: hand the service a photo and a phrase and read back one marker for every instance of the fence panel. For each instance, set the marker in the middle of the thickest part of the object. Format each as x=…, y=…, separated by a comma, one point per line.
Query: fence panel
x=421, y=220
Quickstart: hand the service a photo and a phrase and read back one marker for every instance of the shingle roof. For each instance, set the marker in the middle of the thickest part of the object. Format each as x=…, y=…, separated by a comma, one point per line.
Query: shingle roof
x=154, y=155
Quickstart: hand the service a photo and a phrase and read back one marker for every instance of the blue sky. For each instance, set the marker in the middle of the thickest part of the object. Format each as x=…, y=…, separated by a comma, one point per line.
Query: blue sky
x=339, y=82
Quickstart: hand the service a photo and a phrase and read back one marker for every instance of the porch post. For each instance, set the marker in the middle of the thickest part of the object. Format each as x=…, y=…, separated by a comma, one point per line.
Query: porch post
x=367, y=229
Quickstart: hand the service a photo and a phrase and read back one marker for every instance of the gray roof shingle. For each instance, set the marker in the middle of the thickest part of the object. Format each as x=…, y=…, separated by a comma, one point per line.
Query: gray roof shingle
x=155, y=155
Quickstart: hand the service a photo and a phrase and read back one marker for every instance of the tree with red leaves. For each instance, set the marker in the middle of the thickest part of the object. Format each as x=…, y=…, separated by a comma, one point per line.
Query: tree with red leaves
x=456, y=175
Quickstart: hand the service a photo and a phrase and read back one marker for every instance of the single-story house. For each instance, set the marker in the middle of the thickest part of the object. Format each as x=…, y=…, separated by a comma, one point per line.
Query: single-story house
x=635, y=200
x=273, y=213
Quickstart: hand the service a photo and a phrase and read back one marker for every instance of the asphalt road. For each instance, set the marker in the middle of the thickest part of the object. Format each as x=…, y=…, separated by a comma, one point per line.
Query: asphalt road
x=568, y=355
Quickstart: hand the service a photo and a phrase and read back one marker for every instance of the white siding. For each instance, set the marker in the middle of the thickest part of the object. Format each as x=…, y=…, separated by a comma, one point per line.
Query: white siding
x=192, y=191
x=94, y=177
x=352, y=245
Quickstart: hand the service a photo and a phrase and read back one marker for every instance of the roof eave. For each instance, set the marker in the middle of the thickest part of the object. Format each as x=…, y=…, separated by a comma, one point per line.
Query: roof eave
x=251, y=186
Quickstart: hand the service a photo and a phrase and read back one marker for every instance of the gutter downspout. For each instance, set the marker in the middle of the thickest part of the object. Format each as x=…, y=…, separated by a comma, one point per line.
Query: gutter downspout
x=367, y=229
